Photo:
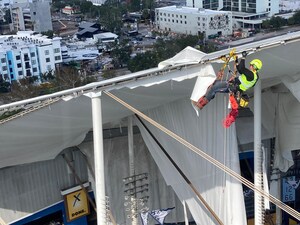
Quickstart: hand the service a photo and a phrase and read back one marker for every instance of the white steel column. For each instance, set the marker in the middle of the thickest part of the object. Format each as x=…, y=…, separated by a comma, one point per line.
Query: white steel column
x=258, y=173
x=186, y=220
x=99, y=161
x=134, y=202
x=130, y=146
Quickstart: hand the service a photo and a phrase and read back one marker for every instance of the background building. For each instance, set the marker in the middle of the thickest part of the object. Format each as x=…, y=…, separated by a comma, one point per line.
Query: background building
x=245, y=13
x=31, y=16
x=187, y=20
x=289, y=5
x=69, y=10
x=26, y=55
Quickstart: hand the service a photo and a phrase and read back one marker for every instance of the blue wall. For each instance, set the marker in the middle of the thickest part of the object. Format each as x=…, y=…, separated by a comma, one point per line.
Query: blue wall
x=11, y=66
x=50, y=210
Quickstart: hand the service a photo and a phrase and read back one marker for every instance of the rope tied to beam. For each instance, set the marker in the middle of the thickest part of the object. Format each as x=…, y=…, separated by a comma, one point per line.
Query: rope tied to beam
x=215, y=162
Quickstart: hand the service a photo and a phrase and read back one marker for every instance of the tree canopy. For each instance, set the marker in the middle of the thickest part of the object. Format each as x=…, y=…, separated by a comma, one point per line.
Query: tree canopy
x=163, y=50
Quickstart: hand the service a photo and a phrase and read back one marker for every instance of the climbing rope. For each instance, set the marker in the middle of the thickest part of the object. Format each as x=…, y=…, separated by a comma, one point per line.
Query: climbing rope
x=227, y=59
x=215, y=162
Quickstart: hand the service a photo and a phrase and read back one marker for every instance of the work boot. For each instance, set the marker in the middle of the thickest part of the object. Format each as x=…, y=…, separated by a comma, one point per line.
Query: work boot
x=202, y=102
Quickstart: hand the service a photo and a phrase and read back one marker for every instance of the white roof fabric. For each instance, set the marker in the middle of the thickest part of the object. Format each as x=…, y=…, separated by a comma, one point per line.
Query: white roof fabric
x=42, y=134
x=72, y=119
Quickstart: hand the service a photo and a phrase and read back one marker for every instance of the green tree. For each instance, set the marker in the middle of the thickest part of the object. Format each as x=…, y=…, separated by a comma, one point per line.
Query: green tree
x=108, y=74
x=266, y=24
x=4, y=86
x=7, y=16
x=86, y=7
x=48, y=33
x=296, y=17
x=291, y=21
x=275, y=22
x=121, y=55
x=111, y=18
x=163, y=50
x=143, y=61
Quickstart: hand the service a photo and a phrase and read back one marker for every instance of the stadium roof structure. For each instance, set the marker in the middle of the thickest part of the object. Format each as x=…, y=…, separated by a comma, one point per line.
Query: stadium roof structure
x=52, y=123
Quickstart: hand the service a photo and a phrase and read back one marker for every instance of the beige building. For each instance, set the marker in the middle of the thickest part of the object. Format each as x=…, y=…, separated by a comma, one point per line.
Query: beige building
x=188, y=20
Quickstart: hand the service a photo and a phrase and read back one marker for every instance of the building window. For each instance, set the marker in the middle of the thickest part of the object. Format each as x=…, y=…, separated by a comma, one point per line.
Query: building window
x=46, y=52
x=4, y=68
x=20, y=73
x=49, y=67
x=28, y=73
x=47, y=59
x=26, y=58
x=3, y=60
x=33, y=61
x=184, y=17
x=56, y=50
x=19, y=65
x=18, y=57
x=34, y=13
x=9, y=62
x=32, y=54
x=57, y=57
x=10, y=70
x=185, y=22
x=34, y=70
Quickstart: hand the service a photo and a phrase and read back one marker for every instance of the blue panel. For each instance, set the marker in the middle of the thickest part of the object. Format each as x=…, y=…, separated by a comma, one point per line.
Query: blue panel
x=59, y=207
x=11, y=58
x=246, y=155
x=52, y=209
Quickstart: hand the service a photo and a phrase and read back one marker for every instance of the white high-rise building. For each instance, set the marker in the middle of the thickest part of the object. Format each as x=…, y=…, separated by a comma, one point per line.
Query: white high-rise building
x=33, y=15
x=245, y=13
x=247, y=6
x=187, y=20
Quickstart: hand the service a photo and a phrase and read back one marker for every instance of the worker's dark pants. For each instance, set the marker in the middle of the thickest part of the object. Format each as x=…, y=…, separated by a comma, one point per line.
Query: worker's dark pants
x=217, y=86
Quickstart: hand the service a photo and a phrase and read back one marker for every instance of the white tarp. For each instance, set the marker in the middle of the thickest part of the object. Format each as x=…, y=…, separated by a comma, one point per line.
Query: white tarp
x=187, y=56
x=221, y=191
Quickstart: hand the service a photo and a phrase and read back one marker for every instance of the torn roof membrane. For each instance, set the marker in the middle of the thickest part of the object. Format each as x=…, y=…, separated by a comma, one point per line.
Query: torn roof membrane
x=65, y=123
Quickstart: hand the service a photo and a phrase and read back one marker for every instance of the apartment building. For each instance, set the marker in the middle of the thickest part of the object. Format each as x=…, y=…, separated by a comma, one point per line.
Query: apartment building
x=188, y=20
x=27, y=54
x=33, y=15
x=245, y=13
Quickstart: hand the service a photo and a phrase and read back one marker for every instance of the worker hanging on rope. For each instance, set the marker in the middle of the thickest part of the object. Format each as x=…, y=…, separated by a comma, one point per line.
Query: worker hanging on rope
x=235, y=85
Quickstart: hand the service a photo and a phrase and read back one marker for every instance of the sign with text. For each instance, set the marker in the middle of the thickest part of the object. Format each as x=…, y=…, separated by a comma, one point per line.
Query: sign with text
x=288, y=190
x=77, y=205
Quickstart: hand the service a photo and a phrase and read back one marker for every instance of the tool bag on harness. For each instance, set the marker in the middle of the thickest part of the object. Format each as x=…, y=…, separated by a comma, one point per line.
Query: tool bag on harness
x=244, y=101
